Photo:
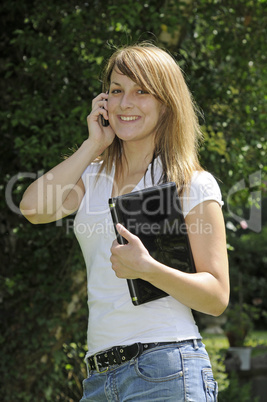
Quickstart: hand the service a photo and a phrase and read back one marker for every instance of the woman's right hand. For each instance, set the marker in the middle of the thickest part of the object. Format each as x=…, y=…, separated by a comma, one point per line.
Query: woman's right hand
x=99, y=135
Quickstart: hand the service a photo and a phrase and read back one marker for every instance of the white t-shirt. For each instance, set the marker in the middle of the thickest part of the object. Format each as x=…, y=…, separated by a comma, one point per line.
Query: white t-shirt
x=113, y=319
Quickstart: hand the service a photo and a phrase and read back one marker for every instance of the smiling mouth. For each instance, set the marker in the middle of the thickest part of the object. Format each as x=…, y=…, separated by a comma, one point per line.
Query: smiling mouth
x=129, y=118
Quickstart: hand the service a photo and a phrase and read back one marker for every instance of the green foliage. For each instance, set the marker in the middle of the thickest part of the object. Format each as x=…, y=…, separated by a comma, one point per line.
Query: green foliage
x=52, y=54
x=240, y=322
x=248, y=271
x=232, y=388
x=236, y=392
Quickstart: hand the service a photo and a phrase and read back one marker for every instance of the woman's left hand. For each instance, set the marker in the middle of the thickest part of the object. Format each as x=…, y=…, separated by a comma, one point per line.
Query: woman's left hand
x=129, y=261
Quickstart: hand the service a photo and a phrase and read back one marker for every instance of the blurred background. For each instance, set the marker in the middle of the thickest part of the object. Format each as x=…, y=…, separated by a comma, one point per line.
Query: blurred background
x=52, y=55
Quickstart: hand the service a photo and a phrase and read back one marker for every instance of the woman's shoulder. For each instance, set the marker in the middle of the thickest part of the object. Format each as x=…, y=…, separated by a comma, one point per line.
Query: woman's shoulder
x=96, y=174
x=203, y=187
x=203, y=180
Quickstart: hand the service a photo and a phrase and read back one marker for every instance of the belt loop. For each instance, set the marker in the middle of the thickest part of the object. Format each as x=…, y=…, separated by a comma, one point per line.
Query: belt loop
x=196, y=347
x=140, y=349
x=87, y=367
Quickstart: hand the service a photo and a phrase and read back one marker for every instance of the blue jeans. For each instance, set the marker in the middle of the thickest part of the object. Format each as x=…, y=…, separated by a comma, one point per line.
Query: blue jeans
x=176, y=372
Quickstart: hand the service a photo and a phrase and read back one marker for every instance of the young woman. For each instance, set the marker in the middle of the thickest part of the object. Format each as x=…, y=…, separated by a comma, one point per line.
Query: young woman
x=152, y=352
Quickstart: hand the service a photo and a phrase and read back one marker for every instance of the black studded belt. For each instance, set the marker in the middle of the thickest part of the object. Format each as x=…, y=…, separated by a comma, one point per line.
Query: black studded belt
x=119, y=354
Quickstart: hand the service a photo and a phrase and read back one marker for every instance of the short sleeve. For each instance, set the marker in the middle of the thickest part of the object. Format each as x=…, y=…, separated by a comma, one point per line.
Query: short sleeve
x=203, y=187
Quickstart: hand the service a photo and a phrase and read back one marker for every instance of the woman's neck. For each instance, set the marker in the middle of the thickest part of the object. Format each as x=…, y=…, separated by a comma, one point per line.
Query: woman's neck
x=134, y=164
x=135, y=158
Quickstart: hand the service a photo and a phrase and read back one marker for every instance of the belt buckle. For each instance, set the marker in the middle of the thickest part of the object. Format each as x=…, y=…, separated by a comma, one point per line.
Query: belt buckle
x=96, y=364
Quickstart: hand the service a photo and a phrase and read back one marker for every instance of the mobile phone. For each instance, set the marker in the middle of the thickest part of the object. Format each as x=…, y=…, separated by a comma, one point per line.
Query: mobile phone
x=104, y=122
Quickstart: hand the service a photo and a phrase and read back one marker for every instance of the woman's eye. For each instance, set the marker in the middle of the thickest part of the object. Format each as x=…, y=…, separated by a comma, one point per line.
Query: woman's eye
x=115, y=91
x=142, y=91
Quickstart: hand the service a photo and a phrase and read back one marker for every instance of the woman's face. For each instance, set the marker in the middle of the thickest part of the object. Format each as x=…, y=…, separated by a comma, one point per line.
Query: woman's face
x=133, y=113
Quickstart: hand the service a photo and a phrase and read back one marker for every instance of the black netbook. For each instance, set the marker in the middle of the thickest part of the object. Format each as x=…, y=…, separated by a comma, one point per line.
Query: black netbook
x=155, y=216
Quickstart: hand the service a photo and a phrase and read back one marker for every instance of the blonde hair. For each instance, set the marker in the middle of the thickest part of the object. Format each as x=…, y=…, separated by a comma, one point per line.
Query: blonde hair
x=177, y=133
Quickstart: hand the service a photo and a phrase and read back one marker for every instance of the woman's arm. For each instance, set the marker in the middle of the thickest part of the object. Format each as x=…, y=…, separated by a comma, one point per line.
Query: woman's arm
x=207, y=290
x=59, y=192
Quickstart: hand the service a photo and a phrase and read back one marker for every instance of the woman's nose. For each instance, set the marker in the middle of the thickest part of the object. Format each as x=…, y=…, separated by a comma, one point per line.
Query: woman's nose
x=126, y=101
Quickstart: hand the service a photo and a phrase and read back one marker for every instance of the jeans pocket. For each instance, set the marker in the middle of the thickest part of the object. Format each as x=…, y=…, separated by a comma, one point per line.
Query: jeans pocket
x=210, y=385
x=159, y=365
